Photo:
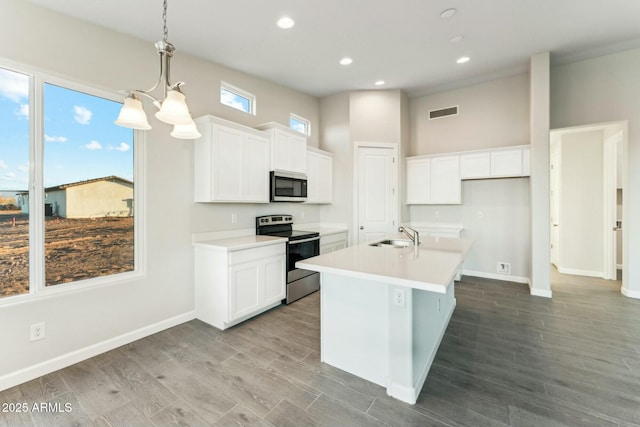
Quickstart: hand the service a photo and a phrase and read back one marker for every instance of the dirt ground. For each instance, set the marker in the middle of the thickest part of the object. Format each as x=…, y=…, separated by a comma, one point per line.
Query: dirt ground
x=75, y=249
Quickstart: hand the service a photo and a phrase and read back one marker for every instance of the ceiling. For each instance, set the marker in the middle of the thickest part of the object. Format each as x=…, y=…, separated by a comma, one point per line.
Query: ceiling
x=406, y=43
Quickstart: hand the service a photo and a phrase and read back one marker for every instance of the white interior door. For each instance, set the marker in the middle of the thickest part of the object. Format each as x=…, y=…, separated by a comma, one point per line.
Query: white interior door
x=376, y=193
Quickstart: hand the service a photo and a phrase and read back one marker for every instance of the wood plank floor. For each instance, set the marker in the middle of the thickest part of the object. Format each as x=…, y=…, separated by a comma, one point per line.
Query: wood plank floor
x=507, y=359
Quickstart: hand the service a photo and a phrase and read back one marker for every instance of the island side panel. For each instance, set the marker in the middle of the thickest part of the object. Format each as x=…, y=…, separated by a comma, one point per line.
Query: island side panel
x=431, y=315
x=354, y=326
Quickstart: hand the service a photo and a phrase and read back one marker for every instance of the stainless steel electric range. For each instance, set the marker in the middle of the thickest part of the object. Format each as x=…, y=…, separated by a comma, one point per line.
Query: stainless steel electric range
x=300, y=245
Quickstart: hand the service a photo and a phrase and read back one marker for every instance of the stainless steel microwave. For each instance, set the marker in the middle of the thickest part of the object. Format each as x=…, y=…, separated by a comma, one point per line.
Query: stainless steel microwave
x=288, y=186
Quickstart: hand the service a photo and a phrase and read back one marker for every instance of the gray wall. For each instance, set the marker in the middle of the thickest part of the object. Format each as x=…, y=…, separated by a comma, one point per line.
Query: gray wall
x=581, y=203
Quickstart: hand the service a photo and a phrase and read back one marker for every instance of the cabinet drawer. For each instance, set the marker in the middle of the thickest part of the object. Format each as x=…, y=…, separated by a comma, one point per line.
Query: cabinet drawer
x=254, y=254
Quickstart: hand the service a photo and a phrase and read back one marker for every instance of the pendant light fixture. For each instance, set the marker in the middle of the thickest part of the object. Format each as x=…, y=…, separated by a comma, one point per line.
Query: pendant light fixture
x=173, y=108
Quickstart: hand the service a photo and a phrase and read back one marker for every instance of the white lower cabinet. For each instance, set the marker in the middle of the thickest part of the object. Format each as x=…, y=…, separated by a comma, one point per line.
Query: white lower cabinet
x=333, y=242
x=232, y=286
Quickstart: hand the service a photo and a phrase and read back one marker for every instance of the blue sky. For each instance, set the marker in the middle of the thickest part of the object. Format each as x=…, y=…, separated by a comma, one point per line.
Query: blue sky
x=80, y=140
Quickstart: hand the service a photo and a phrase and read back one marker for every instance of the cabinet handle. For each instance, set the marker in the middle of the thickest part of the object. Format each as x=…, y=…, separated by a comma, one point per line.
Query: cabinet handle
x=362, y=227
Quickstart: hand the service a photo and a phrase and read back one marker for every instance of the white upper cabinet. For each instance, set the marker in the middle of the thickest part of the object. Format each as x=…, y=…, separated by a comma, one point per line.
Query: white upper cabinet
x=495, y=163
x=433, y=180
x=288, y=148
x=475, y=165
x=319, y=176
x=231, y=162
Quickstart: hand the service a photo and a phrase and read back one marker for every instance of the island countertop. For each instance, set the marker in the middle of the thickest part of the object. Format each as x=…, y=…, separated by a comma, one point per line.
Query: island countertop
x=431, y=267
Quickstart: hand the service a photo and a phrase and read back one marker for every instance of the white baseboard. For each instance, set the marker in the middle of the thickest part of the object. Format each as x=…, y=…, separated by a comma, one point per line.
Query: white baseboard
x=540, y=292
x=629, y=293
x=43, y=368
x=496, y=276
x=579, y=272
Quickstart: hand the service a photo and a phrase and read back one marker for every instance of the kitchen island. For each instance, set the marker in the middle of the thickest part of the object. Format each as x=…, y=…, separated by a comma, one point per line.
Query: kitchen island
x=384, y=310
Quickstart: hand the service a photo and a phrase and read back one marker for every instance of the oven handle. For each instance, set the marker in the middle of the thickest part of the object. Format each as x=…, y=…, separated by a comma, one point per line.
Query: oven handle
x=293, y=242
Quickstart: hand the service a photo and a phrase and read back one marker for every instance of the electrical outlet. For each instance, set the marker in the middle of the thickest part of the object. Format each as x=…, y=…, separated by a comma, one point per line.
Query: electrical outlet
x=398, y=297
x=504, y=268
x=234, y=218
x=37, y=331
x=436, y=214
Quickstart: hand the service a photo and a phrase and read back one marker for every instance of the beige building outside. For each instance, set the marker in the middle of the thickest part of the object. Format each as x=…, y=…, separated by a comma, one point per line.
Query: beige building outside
x=110, y=196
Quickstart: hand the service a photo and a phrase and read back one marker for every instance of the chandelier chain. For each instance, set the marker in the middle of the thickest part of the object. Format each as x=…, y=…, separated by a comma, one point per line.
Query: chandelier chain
x=165, y=36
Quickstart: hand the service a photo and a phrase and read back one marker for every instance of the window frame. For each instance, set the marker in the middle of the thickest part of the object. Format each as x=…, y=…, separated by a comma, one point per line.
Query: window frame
x=37, y=285
x=251, y=98
x=300, y=119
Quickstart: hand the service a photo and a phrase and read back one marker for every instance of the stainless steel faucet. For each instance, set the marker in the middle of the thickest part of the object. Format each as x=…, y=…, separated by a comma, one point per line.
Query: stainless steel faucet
x=416, y=236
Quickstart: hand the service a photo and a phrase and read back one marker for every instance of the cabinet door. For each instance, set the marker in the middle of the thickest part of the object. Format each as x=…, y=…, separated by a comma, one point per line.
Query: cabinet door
x=298, y=156
x=325, y=183
x=445, y=180
x=506, y=163
x=273, y=276
x=313, y=177
x=244, y=290
x=418, y=181
x=255, y=169
x=227, y=156
x=475, y=165
x=282, y=150
x=319, y=178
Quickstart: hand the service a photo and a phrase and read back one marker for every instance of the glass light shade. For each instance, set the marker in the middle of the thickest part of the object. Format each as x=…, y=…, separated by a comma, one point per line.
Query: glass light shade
x=189, y=131
x=174, y=109
x=132, y=115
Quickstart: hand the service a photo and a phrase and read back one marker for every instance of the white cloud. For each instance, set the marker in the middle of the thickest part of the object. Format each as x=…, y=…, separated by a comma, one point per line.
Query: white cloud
x=122, y=147
x=23, y=111
x=10, y=175
x=14, y=86
x=82, y=115
x=93, y=145
x=231, y=100
x=24, y=168
x=3, y=165
x=49, y=138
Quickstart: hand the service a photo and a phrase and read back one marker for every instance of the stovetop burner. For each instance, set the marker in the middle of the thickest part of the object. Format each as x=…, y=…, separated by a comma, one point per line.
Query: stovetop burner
x=281, y=226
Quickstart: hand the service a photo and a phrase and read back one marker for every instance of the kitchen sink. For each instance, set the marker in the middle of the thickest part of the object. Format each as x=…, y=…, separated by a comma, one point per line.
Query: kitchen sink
x=394, y=243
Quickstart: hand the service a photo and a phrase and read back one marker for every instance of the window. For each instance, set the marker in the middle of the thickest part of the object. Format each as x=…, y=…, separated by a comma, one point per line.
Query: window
x=86, y=204
x=237, y=98
x=299, y=124
x=14, y=183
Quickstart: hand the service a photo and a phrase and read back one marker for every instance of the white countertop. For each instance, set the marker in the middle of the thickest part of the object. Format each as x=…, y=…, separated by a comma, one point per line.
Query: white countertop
x=432, y=267
x=242, y=242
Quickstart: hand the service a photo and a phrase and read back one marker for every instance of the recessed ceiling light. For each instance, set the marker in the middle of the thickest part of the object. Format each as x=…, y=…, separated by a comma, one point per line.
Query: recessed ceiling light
x=379, y=83
x=448, y=13
x=463, y=59
x=346, y=61
x=456, y=39
x=286, y=23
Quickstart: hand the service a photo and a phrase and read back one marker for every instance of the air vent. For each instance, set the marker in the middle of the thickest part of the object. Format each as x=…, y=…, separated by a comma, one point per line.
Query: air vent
x=443, y=112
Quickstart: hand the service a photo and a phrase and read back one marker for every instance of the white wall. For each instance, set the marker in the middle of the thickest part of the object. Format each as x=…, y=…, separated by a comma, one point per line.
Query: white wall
x=81, y=323
x=599, y=90
x=492, y=114
x=581, y=203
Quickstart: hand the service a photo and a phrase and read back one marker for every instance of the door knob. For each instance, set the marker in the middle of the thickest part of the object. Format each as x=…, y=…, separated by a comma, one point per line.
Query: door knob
x=362, y=227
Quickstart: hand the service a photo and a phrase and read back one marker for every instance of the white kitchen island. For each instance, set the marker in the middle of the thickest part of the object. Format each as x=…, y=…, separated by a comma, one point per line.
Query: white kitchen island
x=384, y=310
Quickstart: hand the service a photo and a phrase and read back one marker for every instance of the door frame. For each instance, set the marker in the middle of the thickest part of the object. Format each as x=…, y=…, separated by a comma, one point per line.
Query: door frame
x=609, y=177
x=357, y=145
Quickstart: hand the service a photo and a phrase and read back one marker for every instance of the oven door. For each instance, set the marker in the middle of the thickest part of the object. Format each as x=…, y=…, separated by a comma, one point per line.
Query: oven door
x=298, y=250
x=288, y=187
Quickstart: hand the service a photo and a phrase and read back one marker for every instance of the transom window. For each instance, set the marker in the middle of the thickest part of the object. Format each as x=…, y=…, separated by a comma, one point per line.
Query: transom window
x=237, y=98
x=299, y=124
